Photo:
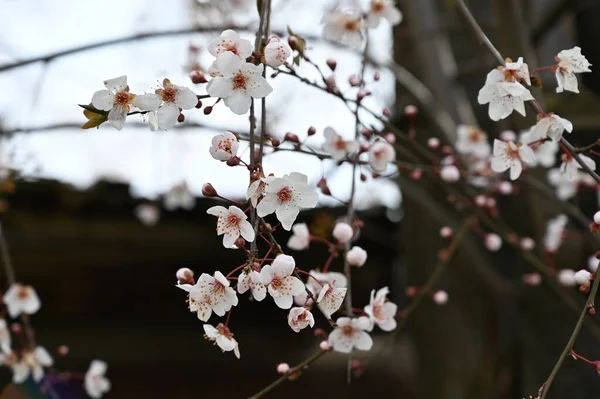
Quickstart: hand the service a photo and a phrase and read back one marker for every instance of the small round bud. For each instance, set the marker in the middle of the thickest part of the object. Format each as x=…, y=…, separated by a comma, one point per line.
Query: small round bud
x=355, y=364
x=311, y=130
x=450, y=174
x=208, y=110
x=273, y=39
x=583, y=277
x=508, y=135
x=376, y=76
x=480, y=200
x=433, y=143
x=331, y=63
x=240, y=243
x=362, y=94
x=386, y=112
x=294, y=42
x=291, y=137
x=180, y=118
x=356, y=257
x=447, y=150
x=440, y=297
x=597, y=217
x=208, y=190
x=566, y=277
x=199, y=104
x=233, y=161
x=416, y=174
x=505, y=188
x=491, y=202
x=532, y=279
x=446, y=232
x=390, y=138
x=411, y=111
x=283, y=368
x=63, y=350
x=343, y=232
x=493, y=242
x=16, y=328
x=354, y=80
x=319, y=332
x=185, y=276
x=197, y=77
x=275, y=142
x=325, y=345
x=411, y=291
x=592, y=264
x=363, y=177
x=527, y=243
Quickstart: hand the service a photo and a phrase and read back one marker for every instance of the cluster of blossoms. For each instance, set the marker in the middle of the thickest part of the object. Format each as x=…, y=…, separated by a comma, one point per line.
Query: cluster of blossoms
x=33, y=362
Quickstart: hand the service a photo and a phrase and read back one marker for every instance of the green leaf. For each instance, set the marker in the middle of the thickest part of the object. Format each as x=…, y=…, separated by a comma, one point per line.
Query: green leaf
x=93, y=109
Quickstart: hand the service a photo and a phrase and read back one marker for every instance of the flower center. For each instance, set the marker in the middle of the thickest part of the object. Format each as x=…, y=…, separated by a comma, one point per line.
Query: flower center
x=239, y=81
x=122, y=98
x=352, y=25
x=23, y=293
x=217, y=288
x=224, y=331
x=168, y=95
x=377, y=7
x=232, y=220
x=276, y=283
x=512, y=153
x=347, y=330
x=475, y=136
x=228, y=45
x=225, y=145
x=340, y=144
x=284, y=195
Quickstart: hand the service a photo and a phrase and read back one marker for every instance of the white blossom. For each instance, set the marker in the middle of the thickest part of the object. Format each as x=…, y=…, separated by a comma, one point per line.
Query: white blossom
x=566, y=277
x=554, y=232
x=118, y=101
x=565, y=189
x=210, y=294
x=285, y=196
x=21, y=299
x=330, y=299
x=472, y=141
x=224, y=146
x=316, y=281
x=504, y=92
x=381, y=311
x=344, y=26
x=551, y=126
x=148, y=214
x=351, y=333
x=95, y=383
x=570, y=62
x=31, y=362
x=343, y=232
x=230, y=41
x=583, y=277
x=337, y=147
x=509, y=156
x=545, y=152
x=383, y=9
x=380, y=154
x=179, y=196
x=241, y=81
x=300, y=318
x=232, y=223
x=356, y=256
x=282, y=286
x=252, y=281
x=222, y=337
x=300, y=239
x=277, y=53
x=175, y=98
x=440, y=297
x=570, y=167
x=257, y=189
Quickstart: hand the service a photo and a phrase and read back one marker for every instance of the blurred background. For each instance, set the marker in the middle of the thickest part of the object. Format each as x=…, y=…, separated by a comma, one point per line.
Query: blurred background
x=107, y=280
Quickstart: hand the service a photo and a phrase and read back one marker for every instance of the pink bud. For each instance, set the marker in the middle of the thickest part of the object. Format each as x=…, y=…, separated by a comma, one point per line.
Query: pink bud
x=355, y=364
x=63, y=350
x=294, y=42
x=240, y=243
x=343, y=232
x=532, y=279
x=208, y=110
x=376, y=76
x=180, y=118
x=197, y=77
x=440, y=297
x=411, y=111
x=416, y=174
x=322, y=184
x=433, y=143
x=16, y=328
x=291, y=137
x=527, y=243
x=505, y=188
x=208, y=190
x=597, y=217
x=354, y=80
x=447, y=150
x=199, y=104
x=331, y=63
x=283, y=368
x=390, y=138
x=365, y=132
x=386, y=112
x=411, y=291
x=311, y=131
x=493, y=242
x=450, y=174
x=480, y=200
x=363, y=177
x=491, y=203
x=235, y=161
x=319, y=332
x=508, y=135
x=446, y=232
x=185, y=276
x=325, y=345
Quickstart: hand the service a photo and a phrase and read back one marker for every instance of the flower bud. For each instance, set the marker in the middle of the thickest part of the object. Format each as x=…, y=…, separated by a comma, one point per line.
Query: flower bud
x=532, y=279
x=319, y=332
x=386, y=112
x=597, y=217
x=291, y=137
x=331, y=63
x=376, y=76
x=16, y=328
x=325, y=345
x=527, y=243
x=356, y=257
x=440, y=297
x=240, y=243
x=416, y=174
x=390, y=138
x=411, y=111
x=208, y=110
x=311, y=130
x=493, y=242
x=294, y=43
x=343, y=232
x=322, y=184
x=450, y=174
x=366, y=132
x=63, y=350
x=197, y=77
x=233, y=161
x=411, y=291
x=275, y=142
x=185, y=276
x=180, y=118
x=283, y=368
x=363, y=177
x=433, y=143
x=199, y=104
x=208, y=190
x=505, y=188
x=446, y=232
